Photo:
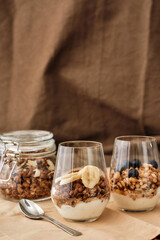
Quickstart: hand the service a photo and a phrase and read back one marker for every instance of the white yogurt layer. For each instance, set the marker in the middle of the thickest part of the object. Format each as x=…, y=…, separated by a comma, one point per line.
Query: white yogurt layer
x=141, y=204
x=83, y=211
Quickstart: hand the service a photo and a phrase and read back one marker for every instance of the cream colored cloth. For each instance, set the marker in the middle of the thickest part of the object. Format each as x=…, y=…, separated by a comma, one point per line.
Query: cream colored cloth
x=112, y=225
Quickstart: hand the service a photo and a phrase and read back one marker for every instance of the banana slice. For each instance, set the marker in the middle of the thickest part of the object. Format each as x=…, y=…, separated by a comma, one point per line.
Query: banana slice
x=90, y=176
x=70, y=179
x=75, y=175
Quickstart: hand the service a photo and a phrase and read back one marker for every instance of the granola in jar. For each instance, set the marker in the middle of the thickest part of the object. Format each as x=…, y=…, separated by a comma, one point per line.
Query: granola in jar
x=27, y=164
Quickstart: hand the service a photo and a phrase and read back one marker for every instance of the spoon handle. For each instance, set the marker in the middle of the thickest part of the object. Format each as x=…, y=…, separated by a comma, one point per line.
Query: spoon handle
x=62, y=226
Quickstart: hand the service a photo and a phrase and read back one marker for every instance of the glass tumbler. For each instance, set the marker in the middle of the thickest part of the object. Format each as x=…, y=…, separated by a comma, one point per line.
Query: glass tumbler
x=80, y=189
x=134, y=174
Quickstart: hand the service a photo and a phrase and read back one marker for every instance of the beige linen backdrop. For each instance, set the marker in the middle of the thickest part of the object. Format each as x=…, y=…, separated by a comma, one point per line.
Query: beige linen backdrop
x=83, y=69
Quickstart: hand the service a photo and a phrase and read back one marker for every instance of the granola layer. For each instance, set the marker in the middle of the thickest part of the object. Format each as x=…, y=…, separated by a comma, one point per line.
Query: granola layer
x=75, y=192
x=143, y=184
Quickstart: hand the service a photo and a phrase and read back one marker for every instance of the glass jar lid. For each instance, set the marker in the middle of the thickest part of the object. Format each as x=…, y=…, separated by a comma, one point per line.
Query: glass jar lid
x=26, y=136
x=27, y=141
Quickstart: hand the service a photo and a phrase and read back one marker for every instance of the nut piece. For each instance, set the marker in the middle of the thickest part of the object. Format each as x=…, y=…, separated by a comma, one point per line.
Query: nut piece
x=117, y=175
x=51, y=165
x=37, y=173
x=32, y=163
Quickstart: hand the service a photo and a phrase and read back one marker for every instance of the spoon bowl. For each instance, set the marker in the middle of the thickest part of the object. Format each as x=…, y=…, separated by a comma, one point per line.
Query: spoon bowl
x=31, y=210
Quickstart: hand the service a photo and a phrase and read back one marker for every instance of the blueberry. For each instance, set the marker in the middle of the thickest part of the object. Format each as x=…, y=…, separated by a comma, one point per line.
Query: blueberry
x=126, y=165
x=153, y=163
x=136, y=163
x=133, y=173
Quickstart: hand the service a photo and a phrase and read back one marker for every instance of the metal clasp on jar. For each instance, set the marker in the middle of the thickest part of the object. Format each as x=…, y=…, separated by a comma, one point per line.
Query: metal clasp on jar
x=14, y=156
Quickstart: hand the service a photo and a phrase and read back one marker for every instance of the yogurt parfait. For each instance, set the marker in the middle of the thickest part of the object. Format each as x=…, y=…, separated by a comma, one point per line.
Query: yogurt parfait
x=81, y=195
x=135, y=182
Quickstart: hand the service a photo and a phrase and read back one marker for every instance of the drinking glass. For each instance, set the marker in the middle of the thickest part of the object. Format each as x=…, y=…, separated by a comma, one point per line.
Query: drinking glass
x=80, y=189
x=134, y=173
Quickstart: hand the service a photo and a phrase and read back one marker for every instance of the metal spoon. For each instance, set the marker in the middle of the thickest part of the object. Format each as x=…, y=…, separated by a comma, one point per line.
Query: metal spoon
x=31, y=210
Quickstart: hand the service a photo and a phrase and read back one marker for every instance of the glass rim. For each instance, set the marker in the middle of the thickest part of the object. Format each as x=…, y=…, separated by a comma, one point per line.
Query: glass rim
x=94, y=144
x=141, y=138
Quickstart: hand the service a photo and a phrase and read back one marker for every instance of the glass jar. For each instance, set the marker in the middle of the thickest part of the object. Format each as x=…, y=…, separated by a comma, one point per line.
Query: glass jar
x=80, y=188
x=27, y=164
x=135, y=174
